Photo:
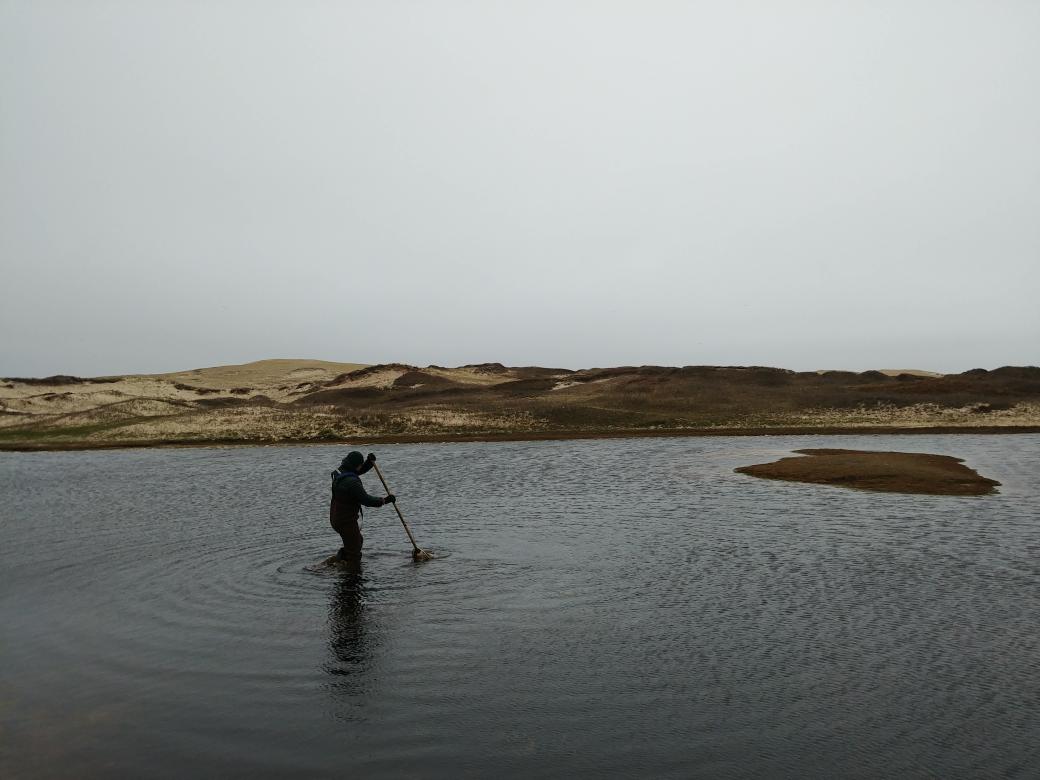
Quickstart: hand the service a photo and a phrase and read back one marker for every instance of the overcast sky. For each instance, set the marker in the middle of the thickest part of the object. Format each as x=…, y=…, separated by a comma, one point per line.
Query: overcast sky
x=799, y=184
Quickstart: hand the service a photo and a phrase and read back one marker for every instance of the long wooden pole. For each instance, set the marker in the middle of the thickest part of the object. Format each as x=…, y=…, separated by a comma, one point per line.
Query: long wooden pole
x=407, y=530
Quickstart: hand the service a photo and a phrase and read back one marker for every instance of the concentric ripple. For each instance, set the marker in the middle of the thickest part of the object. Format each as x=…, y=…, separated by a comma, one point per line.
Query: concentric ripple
x=606, y=608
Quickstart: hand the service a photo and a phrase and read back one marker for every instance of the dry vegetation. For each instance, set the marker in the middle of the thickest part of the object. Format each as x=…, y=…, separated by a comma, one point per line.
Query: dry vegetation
x=297, y=400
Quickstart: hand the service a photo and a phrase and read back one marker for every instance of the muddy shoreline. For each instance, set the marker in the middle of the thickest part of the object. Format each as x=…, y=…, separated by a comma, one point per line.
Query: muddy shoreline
x=563, y=435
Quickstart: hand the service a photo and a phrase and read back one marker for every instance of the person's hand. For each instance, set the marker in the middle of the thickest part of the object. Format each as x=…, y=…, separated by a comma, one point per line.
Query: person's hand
x=371, y=458
x=390, y=499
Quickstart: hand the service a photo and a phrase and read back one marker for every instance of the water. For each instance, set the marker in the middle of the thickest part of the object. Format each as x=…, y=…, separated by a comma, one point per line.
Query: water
x=611, y=608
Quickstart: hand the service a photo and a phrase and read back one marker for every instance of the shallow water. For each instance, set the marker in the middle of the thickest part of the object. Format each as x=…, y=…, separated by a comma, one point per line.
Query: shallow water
x=614, y=608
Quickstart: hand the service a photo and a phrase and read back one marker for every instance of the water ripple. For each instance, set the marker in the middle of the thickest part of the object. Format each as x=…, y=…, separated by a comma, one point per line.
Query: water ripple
x=620, y=609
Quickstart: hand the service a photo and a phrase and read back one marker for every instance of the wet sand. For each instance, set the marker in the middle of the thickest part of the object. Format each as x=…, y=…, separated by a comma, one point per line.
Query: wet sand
x=891, y=472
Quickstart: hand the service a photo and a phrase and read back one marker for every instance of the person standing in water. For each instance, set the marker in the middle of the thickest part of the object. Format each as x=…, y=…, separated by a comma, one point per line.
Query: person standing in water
x=348, y=496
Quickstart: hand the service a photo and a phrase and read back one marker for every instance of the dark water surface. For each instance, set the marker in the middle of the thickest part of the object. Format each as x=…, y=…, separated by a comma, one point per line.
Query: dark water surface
x=610, y=608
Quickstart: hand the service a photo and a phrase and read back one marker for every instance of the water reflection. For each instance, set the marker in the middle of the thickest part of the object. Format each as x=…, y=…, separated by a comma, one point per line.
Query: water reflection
x=347, y=629
x=752, y=628
x=353, y=644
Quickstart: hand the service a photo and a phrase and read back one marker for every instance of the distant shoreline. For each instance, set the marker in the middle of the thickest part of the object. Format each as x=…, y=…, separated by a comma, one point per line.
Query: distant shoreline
x=312, y=402
x=521, y=436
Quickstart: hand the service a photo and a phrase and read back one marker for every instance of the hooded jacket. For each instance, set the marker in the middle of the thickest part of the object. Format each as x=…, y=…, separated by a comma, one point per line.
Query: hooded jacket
x=348, y=496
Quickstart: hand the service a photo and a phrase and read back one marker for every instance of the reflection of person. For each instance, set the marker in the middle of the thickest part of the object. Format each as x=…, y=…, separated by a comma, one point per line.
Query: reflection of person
x=348, y=496
x=346, y=627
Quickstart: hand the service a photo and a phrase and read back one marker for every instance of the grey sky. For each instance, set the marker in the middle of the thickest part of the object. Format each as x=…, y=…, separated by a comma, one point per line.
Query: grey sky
x=798, y=184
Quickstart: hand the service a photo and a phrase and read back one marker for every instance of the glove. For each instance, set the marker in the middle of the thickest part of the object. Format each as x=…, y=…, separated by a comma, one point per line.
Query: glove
x=371, y=458
x=390, y=499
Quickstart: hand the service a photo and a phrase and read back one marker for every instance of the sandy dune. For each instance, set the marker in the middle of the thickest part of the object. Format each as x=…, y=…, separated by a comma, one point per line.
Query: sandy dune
x=80, y=401
x=315, y=400
x=908, y=371
x=897, y=372
x=278, y=376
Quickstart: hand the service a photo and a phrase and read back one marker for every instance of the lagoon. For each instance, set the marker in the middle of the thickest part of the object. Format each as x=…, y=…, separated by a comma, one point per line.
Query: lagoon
x=614, y=608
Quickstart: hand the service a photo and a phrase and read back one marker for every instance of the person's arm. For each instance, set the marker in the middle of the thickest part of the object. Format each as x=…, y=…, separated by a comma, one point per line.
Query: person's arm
x=367, y=465
x=357, y=492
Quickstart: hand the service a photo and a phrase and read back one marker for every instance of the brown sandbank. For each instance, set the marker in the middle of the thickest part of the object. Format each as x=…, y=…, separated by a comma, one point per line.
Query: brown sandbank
x=893, y=472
